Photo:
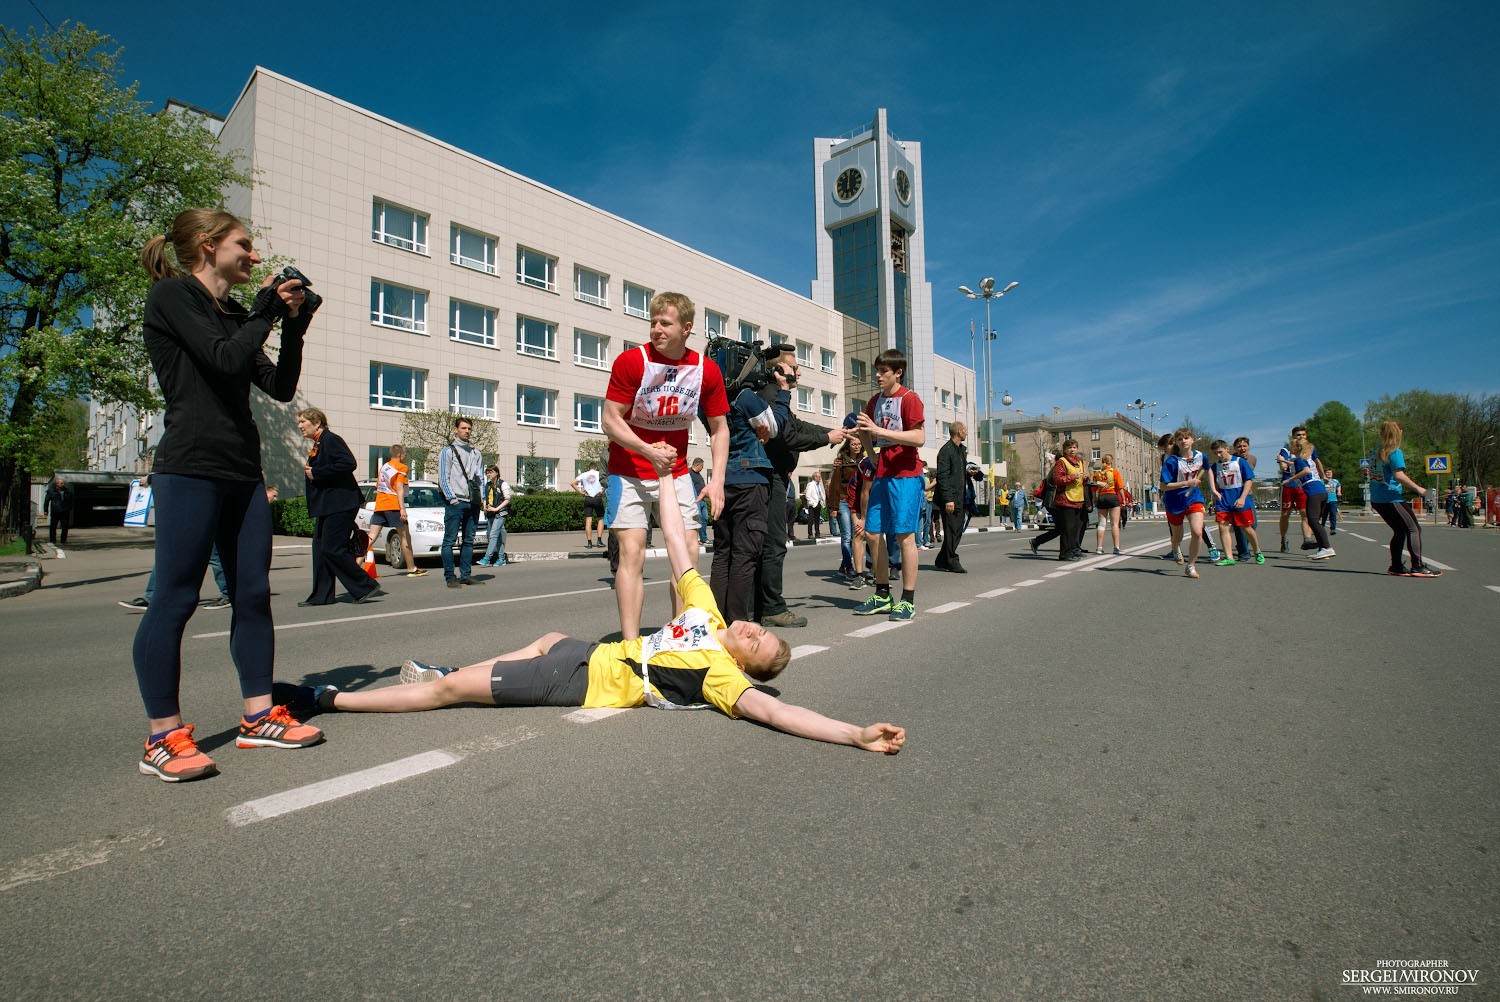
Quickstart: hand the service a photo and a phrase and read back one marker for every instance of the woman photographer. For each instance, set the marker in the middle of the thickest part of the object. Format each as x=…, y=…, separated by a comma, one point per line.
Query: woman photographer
x=206, y=351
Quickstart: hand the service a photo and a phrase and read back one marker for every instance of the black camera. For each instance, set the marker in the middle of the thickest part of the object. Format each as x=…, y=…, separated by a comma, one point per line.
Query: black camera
x=744, y=365
x=313, y=301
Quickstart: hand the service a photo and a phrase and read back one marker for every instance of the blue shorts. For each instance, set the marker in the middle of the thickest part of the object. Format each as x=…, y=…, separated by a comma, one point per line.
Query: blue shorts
x=894, y=504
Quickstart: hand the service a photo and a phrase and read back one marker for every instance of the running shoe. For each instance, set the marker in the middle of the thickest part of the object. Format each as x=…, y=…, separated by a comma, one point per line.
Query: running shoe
x=417, y=572
x=322, y=697
x=1260, y=558
x=134, y=605
x=1399, y=571
x=277, y=729
x=417, y=671
x=1225, y=562
x=1213, y=554
x=1424, y=572
x=1324, y=553
x=902, y=612
x=1177, y=557
x=222, y=602
x=855, y=582
x=874, y=605
x=1284, y=547
x=1191, y=571
x=1117, y=551
x=176, y=757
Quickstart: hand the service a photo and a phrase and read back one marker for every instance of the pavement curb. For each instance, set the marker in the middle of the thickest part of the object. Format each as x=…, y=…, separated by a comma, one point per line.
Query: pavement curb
x=30, y=580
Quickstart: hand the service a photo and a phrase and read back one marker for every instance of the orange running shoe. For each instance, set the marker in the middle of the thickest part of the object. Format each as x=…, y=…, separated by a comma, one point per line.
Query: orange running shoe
x=176, y=758
x=277, y=729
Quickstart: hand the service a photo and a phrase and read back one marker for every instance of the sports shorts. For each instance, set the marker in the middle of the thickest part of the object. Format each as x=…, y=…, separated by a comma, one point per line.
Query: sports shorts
x=1293, y=499
x=390, y=517
x=895, y=504
x=558, y=678
x=1236, y=516
x=594, y=505
x=630, y=502
x=1180, y=517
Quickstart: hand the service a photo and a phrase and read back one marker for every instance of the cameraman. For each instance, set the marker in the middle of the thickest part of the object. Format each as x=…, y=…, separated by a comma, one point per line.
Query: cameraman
x=795, y=436
x=740, y=529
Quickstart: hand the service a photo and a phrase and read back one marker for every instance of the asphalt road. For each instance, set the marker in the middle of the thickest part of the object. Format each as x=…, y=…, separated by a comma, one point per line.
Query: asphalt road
x=1119, y=784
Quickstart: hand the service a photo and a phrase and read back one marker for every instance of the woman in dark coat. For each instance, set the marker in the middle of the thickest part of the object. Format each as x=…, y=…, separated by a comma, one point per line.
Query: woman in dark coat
x=333, y=499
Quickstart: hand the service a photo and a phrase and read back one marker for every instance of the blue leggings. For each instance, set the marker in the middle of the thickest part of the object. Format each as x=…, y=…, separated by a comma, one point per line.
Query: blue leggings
x=192, y=514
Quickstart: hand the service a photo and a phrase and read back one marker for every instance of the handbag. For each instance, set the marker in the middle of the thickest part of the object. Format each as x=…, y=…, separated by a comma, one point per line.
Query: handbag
x=1049, y=492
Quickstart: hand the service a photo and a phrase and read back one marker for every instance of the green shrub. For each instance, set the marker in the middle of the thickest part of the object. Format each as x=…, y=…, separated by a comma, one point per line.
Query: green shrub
x=545, y=511
x=289, y=517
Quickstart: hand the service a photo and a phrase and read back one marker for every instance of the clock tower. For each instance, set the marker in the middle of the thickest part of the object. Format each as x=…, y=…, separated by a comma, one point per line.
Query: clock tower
x=871, y=260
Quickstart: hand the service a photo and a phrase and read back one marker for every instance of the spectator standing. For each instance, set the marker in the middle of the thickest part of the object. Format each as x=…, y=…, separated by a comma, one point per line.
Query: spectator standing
x=948, y=492
x=207, y=486
x=1069, y=477
x=333, y=500
x=1330, y=516
x=591, y=486
x=924, y=513
x=390, y=506
x=740, y=529
x=1017, y=505
x=58, y=506
x=695, y=474
x=461, y=475
x=814, y=497
x=894, y=421
x=844, y=466
x=497, y=495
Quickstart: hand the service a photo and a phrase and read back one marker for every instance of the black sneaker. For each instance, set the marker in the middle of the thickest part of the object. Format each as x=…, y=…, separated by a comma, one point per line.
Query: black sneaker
x=1310, y=544
x=219, y=603
x=323, y=697
x=135, y=605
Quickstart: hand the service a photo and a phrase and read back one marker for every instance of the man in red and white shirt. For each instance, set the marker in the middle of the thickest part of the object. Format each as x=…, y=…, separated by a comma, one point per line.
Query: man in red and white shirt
x=655, y=394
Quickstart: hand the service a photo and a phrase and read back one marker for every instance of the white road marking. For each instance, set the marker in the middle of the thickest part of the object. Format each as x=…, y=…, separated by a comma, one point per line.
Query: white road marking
x=1058, y=574
x=994, y=593
x=312, y=794
x=1358, y=536
x=412, y=612
x=803, y=650
x=77, y=857
x=592, y=714
x=288, y=547
x=1494, y=588
x=1106, y=563
x=1029, y=582
x=1438, y=564
x=940, y=609
x=871, y=631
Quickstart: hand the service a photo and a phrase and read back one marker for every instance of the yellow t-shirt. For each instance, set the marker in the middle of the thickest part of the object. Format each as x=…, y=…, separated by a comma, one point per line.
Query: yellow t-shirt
x=701, y=672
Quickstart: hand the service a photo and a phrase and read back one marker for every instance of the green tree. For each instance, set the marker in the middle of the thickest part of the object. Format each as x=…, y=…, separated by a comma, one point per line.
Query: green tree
x=1429, y=424
x=87, y=174
x=593, y=450
x=426, y=433
x=533, y=473
x=1334, y=430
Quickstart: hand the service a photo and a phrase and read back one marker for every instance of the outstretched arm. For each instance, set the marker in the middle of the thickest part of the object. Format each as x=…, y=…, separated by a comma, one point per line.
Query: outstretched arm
x=672, y=528
x=805, y=723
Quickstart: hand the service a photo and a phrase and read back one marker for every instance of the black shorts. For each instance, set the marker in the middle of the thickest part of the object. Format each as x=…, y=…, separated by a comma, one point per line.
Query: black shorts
x=1106, y=501
x=594, y=505
x=558, y=678
x=390, y=517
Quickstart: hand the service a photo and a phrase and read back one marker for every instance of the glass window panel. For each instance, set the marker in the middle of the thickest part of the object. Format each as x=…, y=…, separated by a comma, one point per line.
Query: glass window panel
x=588, y=413
x=590, y=349
x=536, y=406
x=397, y=306
x=472, y=396
x=536, y=269
x=638, y=301
x=536, y=337
x=473, y=250
x=590, y=286
x=471, y=323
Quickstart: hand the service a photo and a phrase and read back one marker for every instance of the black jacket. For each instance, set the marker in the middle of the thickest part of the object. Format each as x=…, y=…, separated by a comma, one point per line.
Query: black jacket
x=207, y=355
x=795, y=436
x=950, y=474
x=332, y=487
x=59, y=500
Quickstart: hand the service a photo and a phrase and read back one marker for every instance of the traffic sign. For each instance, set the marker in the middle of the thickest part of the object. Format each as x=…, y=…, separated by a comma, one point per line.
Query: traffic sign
x=1364, y=464
x=1439, y=463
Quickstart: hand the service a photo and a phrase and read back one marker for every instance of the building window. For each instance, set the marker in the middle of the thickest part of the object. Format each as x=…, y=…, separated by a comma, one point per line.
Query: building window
x=471, y=396
x=630, y=346
x=549, y=470
x=778, y=338
x=397, y=306
x=748, y=331
x=591, y=350
x=958, y=401
x=588, y=413
x=397, y=386
x=1010, y=437
x=638, y=301
x=536, y=269
x=535, y=406
x=536, y=337
x=1094, y=436
x=804, y=398
x=829, y=361
x=473, y=250
x=946, y=398
x=1094, y=455
x=715, y=324
x=830, y=403
x=804, y=352
x=377, y=460
x=470, y=323
x=399, y=227
x=590, y=286
x=857, y=370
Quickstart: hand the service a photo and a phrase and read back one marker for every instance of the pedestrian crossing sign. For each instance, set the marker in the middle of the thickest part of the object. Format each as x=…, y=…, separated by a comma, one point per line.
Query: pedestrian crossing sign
x=1438, y=463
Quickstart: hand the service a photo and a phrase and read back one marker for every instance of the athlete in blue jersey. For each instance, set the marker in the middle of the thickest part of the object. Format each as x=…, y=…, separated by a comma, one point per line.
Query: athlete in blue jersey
x=1181, y=474
x=1234, y=500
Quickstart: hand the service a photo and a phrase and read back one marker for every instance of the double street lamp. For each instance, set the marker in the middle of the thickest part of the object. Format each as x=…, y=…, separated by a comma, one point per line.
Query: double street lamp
x=987, y=292
x=1140, y=407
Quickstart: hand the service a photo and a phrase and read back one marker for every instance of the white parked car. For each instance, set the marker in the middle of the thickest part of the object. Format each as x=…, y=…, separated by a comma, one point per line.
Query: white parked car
x=424, y=511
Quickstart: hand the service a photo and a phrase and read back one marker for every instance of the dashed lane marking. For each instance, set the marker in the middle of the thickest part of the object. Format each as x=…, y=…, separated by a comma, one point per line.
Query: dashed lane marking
x=878, y=628
x=1438, y=564
x=994, y=593
x=1358, y=536
x=1029, y=582
x=950, y=607
x=803, y=650
x=312, y=794
x=1494, y=588
x=594, y=713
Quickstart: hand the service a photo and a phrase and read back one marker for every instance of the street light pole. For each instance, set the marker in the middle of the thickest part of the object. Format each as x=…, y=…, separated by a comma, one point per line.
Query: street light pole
x=1139, y=406
x=987, y=293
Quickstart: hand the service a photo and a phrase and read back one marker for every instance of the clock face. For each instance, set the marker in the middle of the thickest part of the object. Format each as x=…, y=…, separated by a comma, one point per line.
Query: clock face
x=903, y=187
x=847, y=186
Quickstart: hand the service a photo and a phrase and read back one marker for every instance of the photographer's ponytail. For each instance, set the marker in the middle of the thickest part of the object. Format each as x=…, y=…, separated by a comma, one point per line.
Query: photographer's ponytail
x=190, y=230
x=154, y=259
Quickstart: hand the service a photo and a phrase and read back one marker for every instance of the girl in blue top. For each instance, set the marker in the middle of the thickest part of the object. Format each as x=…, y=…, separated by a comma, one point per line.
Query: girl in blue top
x=1307, y=473
x=1385, y=497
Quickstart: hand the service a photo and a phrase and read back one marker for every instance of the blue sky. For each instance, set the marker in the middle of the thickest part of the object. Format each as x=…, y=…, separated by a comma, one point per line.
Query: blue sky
x=1236, y=210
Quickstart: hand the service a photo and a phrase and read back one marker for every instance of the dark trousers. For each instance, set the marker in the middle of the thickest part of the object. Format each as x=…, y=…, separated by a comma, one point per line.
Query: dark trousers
x=1071, y=524
x=1314, y=517
x=768, y=600
x=739, y=535
x=460, y=522
x=332, y=559
x=192, y=515
x=59, y=523
x=1406, y=531
x=953, y=530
